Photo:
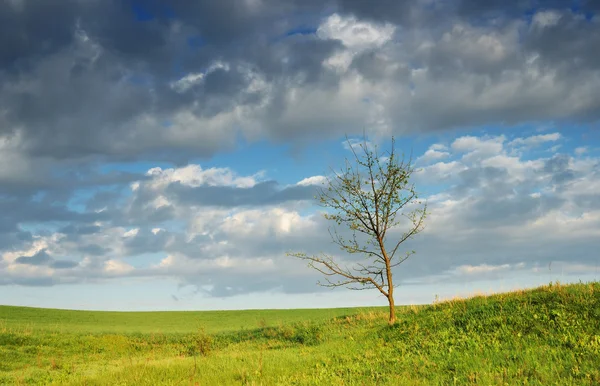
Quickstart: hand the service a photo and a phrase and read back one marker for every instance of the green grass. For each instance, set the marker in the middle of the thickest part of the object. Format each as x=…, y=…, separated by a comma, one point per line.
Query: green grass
x=158, y=322
x=549, y=335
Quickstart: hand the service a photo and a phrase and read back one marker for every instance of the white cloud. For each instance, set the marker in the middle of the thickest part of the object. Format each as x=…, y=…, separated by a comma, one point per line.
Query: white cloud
x=191, y=79
x=438, y=147
x=159, y=202
x=433, y=155
x=117, y=267
x=517, y=169
x=439, y=172
x=29, y=271
x=36, y=246
x=261, y=223
x=314, y=180
x=194, y=176
x=476, y=144
x=554, y=148
x=481, y=269
x=535, y=140
x=187, y=82
x=357, y=144
x=546, y=18
x=340, y=61
x=478, y=47
x=354, y=34
x=167, y=261
x=131, y=233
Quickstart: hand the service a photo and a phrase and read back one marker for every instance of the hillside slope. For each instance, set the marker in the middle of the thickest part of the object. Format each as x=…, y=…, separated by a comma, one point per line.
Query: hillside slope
x=549, y=335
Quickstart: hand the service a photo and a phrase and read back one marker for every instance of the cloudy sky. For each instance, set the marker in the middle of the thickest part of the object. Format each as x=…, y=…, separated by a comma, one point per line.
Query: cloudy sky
x=164, y=155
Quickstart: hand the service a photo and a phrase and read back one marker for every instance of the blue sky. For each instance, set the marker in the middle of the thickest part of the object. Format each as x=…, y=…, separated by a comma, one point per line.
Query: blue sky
x=157, y=156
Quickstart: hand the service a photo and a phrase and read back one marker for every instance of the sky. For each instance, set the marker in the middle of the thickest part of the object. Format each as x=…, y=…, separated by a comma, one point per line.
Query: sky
x=163, y=155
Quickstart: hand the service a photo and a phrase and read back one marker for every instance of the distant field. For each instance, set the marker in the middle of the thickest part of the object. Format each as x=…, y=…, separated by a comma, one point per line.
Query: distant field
x=545, y=336
x=160, y=322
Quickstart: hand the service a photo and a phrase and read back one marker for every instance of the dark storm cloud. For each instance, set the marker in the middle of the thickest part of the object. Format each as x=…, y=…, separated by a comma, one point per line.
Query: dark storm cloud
x=141, y=211
x=558, y=167
x=103, y=199
x=450, y=253
x=63, y=264
x=504, y=211
x=79, y=78
x=393, y=11
x=30, y=281
x=371, y=66
x=13, y=239
x=406, y=12
x=94, y=249
x=24, y=236
x=566, y=44
x=30, y=30
x=147, y=242
x=40, y=258
x=84, y=229
x=57, y=181
x=36, y=212
x=491, y=8
x=15, y=212
x=491, y=178
x=225, y=21
x=514, y=8
x=48, y=200
x=591, y=5
x=589, y=201
x=103, y=69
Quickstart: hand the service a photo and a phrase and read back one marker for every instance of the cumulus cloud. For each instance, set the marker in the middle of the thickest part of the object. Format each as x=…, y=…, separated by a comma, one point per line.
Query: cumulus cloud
x=314, y=180
x=536, y=140
x=355, y=34
x=475, y=144
x=433, y=155
x=523, y=213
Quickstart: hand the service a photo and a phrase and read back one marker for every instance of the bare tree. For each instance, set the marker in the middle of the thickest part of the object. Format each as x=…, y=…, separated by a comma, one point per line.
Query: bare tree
x=368, y=197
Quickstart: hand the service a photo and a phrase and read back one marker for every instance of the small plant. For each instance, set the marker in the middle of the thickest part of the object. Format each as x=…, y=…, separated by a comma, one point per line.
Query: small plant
x=204, y=342
x=201, y=343
x=307, y=334
x=262, y=323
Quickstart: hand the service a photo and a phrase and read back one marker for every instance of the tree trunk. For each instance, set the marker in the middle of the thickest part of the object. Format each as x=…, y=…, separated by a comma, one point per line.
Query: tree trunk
x=390, y=284
x=392, y=319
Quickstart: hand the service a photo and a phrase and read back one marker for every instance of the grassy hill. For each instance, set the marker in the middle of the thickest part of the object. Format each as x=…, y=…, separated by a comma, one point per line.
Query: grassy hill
x=549, y=335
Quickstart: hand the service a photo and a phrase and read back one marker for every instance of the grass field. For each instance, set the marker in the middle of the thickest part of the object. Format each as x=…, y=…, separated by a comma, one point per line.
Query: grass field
x=546, y=336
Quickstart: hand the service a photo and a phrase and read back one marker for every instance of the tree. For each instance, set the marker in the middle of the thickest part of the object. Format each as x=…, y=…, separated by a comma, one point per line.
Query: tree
x=368, y=199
